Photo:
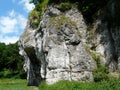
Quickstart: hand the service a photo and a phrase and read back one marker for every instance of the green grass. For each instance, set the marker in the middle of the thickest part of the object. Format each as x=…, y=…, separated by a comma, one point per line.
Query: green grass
x=61, y=20
x=112, y=84
x=14, y=84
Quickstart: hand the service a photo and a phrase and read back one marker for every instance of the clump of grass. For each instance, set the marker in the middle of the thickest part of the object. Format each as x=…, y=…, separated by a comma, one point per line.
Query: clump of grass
x=62, y=20
x=95, y=55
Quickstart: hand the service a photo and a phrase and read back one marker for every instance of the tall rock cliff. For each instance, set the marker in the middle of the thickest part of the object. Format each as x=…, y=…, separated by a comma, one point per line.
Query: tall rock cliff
x=64, y=47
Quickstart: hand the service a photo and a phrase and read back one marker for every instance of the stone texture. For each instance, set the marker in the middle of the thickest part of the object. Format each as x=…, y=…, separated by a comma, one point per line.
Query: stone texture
x=57, y=49
x=55, y=52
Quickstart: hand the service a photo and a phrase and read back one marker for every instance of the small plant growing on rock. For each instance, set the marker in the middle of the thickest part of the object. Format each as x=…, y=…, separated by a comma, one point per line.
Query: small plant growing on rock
x=65, y=6
x=101, y=73
x=34, y=19
x=35, y=15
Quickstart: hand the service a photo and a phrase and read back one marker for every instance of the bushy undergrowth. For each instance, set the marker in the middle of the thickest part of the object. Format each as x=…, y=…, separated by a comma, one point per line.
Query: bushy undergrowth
x=111, y=84
x=11, y=63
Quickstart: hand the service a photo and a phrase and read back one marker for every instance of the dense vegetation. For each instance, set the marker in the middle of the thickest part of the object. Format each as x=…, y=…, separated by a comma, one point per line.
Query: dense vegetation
x=11, y=63
x=112, y=84
x=89, y=8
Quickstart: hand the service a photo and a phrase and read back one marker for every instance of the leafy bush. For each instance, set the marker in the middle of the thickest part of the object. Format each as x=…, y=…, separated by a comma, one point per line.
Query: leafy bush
x=101, y=73
x=6, y=73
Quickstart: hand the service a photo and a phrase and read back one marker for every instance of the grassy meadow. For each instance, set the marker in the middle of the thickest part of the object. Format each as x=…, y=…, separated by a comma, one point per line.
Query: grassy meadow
x=15, y=84
x=21, y=84
x=112, y=84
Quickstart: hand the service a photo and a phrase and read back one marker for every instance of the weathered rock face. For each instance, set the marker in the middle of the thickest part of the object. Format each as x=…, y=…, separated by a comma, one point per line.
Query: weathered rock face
x=57, y=49
x=107, y=33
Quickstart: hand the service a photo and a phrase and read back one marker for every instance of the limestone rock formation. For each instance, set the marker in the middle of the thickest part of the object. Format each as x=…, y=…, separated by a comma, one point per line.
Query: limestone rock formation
x=60, y=48
x=55, y=50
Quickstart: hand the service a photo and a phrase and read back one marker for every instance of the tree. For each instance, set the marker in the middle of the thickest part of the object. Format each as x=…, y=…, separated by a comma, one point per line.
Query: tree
x=11, y=63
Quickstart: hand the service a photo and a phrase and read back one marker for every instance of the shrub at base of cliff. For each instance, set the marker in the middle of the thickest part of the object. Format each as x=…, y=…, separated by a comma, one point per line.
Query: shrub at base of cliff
x=101, y=73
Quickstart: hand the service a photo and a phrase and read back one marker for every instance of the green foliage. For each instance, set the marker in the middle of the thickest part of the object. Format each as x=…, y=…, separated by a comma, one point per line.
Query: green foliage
x=34, y=19
x=111, y=84
x=35, y=15
x=65, y=6
x=11, y=63
x=101, y=73
x=88, y=7
x=5, y=73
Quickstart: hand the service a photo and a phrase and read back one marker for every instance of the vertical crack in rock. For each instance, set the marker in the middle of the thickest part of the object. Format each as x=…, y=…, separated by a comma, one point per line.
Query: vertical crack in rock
x=70, y=69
